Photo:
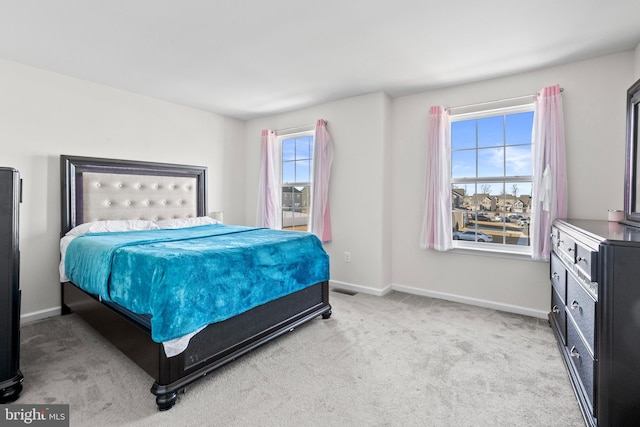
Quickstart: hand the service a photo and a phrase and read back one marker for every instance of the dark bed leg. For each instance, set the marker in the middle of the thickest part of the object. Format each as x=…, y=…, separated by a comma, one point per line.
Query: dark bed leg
x=325, y=299
x=65, y=308
x=166, y=401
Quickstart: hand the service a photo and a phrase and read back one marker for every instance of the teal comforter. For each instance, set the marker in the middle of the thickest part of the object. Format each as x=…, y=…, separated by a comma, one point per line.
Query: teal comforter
x=191, y=277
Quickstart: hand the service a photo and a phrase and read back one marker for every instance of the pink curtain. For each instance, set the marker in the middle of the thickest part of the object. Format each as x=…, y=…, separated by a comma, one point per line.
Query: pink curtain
x=436, y=223
x=320, y=222
x=268, y=213
x=549, y=170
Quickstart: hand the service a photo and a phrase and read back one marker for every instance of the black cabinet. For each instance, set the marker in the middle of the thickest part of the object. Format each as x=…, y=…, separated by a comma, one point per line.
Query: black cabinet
x=10, y=375
x=595, y=314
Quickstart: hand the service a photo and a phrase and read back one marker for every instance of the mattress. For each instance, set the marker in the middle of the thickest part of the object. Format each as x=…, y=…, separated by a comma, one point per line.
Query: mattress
x=185, y=279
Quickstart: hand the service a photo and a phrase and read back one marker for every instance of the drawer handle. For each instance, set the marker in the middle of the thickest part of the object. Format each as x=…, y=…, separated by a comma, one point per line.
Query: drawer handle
x=574, y=352
x=555, y=275
x=555, y=309
x=579, y=258
x=569, y=249
x=574, y=305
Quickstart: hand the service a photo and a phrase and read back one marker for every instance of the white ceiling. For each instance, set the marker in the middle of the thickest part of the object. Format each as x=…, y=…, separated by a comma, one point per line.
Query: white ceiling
x=250, y=58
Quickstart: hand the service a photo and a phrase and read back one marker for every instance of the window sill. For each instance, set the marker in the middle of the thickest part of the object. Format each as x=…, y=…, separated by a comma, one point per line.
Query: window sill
x=492, y=250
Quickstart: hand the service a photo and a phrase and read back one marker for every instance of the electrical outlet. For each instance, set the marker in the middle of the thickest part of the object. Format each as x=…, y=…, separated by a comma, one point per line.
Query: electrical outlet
x=347, y=257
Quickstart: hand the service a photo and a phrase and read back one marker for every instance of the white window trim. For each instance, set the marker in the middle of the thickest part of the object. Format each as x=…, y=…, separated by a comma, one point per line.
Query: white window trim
x=280, y=136
x=501, y=111
x=494, y=249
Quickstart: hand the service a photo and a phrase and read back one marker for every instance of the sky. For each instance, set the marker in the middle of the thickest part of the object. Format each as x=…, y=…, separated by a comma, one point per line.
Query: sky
x=495, y=148
x=296, y=159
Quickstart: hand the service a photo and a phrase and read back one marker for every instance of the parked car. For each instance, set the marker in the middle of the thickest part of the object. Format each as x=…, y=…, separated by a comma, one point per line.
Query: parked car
x=473, y=236
x=501, y=219
x=524, y=222
x=482, y=217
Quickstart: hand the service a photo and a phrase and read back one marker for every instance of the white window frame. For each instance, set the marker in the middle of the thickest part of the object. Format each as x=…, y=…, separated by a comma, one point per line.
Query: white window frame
x=281, y=136
x=495, y=248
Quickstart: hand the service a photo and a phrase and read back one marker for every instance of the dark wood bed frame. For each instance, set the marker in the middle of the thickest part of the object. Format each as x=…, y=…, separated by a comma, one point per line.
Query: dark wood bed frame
x=214, y=346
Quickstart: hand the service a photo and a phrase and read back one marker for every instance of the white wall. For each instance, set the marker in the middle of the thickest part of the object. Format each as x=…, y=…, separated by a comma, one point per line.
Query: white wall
x=360, y=211
x=637, y=62
x=594, y=110
x=44, y=115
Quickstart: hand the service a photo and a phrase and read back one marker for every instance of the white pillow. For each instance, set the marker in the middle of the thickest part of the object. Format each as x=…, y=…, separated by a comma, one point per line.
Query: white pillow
x=185, y=222
x=112, y=225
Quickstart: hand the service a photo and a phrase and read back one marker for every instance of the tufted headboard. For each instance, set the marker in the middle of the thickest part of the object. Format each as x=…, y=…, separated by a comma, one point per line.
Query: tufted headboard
x=105, y=189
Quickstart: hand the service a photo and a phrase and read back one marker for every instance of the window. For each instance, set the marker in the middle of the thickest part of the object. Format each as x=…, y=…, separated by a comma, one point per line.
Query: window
x=492, y=177
x=297, y=161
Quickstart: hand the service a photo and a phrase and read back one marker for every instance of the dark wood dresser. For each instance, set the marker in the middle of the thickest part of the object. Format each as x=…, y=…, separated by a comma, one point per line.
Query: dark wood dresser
x=595, y=314
x=10, y=375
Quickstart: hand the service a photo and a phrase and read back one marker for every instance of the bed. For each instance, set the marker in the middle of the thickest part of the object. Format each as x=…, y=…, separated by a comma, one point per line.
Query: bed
x=98, y=191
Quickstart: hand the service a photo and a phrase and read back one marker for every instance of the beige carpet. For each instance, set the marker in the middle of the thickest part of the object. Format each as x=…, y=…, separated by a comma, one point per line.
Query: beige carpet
x=398, y=360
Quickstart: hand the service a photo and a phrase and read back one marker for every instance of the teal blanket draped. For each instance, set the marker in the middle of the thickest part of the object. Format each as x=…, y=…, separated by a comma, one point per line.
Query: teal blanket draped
x=191, y=277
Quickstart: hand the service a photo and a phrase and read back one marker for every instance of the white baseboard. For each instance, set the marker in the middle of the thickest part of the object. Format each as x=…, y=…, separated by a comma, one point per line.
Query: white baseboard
x=440, y=295
x=472, y=301
x=39, y=315
x=359, y=288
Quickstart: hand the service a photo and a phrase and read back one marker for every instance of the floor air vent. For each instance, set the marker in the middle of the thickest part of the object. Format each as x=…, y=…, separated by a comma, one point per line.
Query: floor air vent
x=343, y=291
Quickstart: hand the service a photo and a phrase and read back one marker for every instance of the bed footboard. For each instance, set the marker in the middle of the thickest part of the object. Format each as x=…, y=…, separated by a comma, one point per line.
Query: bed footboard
x=213, y=347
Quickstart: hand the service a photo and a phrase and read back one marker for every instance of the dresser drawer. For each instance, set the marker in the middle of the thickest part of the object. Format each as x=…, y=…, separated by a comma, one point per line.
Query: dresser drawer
x=587, y=261
x=583, y=363
x=559, y=315
x=555, y=236
x=559, y=277
x=581, y=308
x=567, y=246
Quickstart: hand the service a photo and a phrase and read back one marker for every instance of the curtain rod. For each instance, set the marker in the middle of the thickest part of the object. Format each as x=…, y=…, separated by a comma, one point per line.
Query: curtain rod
x=495, y=101
x=297, y=128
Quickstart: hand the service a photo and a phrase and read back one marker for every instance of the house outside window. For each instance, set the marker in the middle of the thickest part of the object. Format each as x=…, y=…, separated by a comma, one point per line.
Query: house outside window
x=492, y=177
x=295, y=179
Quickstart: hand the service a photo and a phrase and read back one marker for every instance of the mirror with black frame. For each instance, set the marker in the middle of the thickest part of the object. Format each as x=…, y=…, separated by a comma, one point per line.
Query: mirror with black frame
x=632, y=177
